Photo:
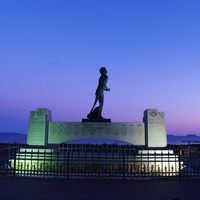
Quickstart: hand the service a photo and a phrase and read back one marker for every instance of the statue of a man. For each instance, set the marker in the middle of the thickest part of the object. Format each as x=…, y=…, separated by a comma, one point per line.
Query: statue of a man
x=96, y=113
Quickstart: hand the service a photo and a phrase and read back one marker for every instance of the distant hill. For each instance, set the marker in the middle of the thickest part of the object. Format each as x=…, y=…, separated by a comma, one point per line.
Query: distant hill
x=12, y=137
x=191, y=138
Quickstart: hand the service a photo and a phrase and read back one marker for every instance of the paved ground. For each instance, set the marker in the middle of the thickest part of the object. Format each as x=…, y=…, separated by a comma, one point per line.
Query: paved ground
x=46, y=189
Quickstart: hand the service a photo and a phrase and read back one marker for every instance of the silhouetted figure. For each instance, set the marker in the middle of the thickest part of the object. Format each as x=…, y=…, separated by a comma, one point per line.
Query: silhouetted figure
x=96, y=113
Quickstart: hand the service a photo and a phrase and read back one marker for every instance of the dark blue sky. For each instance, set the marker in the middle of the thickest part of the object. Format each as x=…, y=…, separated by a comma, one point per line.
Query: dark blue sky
x=51, y=52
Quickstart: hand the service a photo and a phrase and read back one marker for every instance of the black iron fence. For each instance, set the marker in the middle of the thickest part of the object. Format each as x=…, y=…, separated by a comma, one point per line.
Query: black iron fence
x=81, y=161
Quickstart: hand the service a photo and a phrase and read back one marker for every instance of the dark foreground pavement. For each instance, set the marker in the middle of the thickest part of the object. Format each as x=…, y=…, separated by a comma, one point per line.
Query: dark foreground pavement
x=31, y=188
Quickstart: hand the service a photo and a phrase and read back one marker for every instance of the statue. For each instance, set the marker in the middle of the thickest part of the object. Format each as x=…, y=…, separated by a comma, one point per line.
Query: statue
x=95, y=113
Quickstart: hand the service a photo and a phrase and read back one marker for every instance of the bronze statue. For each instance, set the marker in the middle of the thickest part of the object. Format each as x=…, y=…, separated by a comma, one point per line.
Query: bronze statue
x=96, y=113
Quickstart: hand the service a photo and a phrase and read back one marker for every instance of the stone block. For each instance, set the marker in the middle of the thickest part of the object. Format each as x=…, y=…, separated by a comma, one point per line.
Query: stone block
x=37, y=129
x=155, y=130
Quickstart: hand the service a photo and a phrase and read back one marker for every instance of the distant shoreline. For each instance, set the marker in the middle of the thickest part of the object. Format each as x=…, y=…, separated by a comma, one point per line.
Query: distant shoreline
x=171, y=139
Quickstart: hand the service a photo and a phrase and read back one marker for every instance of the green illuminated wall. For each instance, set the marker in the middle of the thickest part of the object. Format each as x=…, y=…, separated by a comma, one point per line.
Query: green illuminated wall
x=38, y=125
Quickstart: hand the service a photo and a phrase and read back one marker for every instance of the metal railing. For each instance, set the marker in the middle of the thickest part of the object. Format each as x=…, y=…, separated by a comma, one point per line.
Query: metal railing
x=101, y=162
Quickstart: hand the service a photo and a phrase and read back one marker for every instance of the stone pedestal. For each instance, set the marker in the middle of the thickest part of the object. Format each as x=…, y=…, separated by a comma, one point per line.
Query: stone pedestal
x=96, y=120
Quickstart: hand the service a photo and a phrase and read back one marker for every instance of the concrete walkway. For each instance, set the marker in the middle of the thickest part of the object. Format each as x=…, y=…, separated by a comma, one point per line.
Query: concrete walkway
x=32, y=188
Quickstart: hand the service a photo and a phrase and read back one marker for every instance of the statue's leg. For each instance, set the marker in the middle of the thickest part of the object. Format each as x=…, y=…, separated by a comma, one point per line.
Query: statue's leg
x=95, y=101
x=101, y=101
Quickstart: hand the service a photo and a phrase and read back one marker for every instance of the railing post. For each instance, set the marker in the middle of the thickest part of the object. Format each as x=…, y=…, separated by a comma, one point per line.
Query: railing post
x=123, y=165
x=15, y=153
x=68, y=165
x=179, y=163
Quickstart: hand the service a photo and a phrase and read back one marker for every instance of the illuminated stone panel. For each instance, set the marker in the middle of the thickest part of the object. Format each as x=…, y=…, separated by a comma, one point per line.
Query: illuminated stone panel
x=37, y=129
x=155, y=128
x=66, y=131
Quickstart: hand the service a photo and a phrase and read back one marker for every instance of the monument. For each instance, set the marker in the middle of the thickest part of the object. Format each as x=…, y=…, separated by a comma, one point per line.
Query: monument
x=148, y=137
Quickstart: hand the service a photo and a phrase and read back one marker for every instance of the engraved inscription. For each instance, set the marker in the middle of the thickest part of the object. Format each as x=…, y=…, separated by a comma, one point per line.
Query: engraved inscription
x=64, y=131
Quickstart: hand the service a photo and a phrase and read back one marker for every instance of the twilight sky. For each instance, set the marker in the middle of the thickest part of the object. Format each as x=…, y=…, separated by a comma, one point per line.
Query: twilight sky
x=51, y=52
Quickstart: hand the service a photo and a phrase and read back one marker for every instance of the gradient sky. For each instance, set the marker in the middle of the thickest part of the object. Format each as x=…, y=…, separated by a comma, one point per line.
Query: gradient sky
x=51, y=52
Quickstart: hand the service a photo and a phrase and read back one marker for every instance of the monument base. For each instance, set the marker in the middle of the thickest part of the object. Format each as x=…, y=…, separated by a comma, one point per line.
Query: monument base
x=96, y=120
x=150, y=133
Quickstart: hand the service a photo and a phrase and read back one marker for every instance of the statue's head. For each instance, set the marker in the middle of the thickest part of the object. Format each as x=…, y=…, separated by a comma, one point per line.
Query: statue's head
x=103, y=70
